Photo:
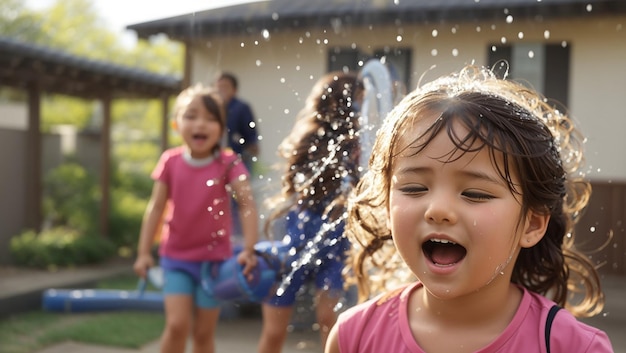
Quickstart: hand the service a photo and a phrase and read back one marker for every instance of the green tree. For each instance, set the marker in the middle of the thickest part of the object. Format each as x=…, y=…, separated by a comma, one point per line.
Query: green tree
x=16, y=21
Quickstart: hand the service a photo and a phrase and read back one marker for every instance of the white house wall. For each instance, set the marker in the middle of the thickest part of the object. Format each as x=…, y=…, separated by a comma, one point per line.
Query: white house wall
x=276, y=73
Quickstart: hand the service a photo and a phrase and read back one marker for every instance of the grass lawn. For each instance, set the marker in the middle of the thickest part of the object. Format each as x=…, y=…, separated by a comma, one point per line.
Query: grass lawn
x=32, y=331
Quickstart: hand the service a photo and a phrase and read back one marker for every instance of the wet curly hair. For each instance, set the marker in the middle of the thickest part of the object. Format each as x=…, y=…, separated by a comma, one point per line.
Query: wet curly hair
x=321, y=153
x=538, y=142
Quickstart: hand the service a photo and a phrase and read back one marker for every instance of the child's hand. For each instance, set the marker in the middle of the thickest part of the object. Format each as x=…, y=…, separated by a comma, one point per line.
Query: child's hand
x=142, y=264
x=247, y=258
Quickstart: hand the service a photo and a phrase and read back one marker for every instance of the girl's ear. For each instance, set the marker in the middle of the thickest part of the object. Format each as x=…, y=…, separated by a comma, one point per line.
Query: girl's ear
x=534, y=229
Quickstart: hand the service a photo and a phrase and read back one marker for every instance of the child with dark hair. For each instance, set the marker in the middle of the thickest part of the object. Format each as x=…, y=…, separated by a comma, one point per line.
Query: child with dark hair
x=322, y=161
x=471, y=195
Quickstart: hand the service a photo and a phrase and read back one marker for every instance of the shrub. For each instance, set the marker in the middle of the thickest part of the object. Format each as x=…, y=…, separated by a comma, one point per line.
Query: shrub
x=71, y=198
x=125, y=218
x=60, y=246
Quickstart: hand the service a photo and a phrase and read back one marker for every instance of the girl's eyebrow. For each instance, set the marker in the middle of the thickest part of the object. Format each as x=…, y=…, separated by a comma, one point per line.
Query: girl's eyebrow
x=467, y=174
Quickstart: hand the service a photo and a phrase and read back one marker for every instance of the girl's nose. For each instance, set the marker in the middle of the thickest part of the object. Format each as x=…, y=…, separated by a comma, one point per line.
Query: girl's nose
x=440, y=210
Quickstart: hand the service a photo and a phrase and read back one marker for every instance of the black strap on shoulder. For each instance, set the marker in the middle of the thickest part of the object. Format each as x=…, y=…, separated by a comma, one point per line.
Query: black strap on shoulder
x=551, y=314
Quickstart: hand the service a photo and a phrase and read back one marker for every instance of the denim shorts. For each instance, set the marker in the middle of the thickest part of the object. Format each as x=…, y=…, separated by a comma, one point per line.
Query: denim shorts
x=183, y=277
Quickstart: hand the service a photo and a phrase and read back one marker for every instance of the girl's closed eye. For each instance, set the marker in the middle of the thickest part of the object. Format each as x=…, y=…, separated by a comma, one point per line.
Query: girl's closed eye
x=413, y=189
x=477, y=196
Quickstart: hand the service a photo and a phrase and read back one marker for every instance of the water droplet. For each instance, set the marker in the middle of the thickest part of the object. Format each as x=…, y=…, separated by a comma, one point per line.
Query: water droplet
x=520, y=35
x=258, y=62
x=589, y=7
x=433, y=52
x=434, y=33
x=546, y=34
x=455, y=52
x=265, y=34
x=398, y=38
x=509, y=19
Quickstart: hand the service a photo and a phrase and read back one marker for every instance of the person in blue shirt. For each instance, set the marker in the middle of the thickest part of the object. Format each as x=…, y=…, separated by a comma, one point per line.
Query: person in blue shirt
x=241, y=132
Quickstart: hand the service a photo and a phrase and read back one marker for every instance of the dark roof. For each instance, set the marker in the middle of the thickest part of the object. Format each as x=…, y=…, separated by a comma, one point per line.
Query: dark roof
x=276, y=14
x=54, y=71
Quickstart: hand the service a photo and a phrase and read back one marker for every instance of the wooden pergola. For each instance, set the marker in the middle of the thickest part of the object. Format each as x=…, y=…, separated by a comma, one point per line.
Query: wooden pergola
x=41, y=70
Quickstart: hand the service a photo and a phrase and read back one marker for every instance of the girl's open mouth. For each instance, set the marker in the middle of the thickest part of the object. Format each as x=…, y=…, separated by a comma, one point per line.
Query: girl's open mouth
x=443, y=252
x=199, y=137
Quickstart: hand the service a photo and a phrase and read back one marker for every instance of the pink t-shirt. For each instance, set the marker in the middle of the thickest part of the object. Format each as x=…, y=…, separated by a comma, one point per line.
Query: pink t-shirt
x=198, y=221
x=384, y=327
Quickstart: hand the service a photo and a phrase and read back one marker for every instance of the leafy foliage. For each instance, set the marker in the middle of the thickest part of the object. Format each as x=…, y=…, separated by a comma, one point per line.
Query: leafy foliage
x=59, y=247
x=71, y=198
x=18, y=22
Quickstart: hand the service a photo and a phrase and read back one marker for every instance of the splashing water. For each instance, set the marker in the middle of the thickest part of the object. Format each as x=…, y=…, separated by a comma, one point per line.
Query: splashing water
x=325, y=238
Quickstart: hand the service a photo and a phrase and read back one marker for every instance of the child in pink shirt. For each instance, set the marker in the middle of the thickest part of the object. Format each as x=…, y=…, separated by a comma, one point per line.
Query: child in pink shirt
x=192, y=185
x=472, y=192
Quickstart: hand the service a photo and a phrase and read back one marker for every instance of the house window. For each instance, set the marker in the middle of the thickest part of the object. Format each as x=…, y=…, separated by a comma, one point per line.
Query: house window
x=544, y=66
x=399, y=62
x=344, y=59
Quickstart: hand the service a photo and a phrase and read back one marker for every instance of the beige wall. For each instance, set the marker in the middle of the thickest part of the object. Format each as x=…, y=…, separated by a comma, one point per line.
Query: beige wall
x=277, y=73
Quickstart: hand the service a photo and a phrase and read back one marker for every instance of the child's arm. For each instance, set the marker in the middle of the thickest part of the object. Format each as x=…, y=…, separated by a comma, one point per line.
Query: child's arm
x=149, y=224
x=249, y=219
x=332, y=342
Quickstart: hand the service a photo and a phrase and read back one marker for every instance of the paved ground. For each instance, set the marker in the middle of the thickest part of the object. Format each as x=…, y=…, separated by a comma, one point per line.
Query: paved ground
x=233, y=336
x=21, y=290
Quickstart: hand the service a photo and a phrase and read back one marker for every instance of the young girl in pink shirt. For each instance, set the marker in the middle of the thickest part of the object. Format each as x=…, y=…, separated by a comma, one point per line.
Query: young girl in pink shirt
x=192, y=185
x=475, y=181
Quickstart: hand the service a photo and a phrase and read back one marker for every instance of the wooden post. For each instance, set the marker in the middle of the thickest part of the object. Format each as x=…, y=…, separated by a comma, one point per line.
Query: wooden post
x=105, y=165
x=165, y=126
x=34, y=186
